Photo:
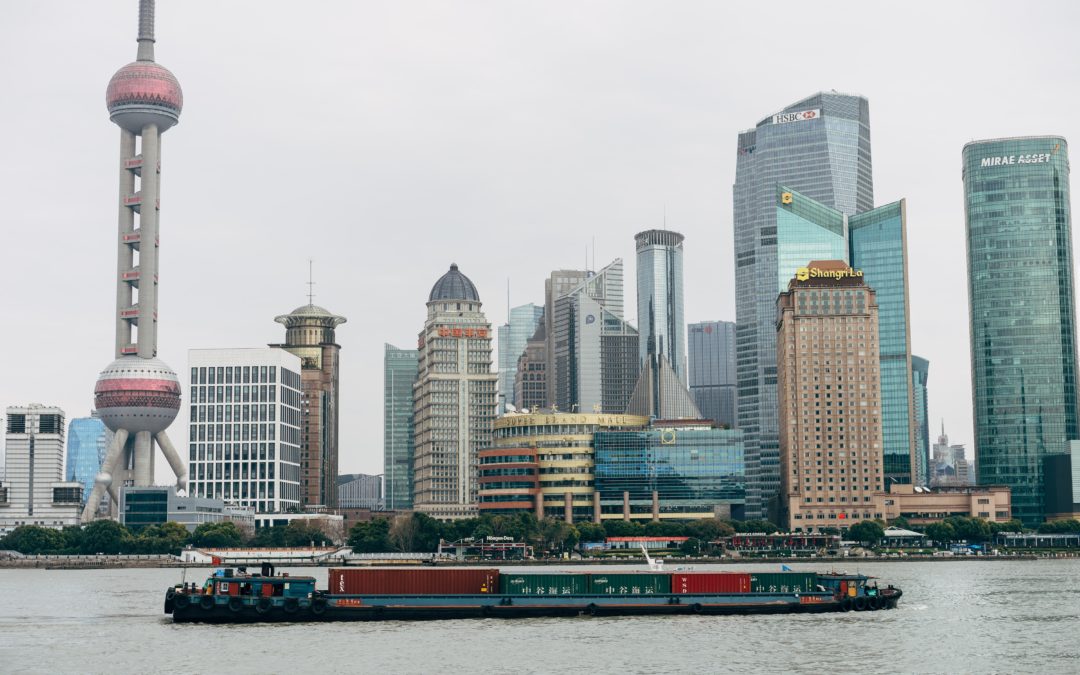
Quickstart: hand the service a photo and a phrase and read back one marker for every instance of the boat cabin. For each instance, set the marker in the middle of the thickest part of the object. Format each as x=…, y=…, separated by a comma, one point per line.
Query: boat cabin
x=267, y=584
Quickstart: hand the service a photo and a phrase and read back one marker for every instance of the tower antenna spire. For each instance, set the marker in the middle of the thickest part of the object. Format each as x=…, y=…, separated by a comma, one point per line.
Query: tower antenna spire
x=310, y=283
x=146, y=31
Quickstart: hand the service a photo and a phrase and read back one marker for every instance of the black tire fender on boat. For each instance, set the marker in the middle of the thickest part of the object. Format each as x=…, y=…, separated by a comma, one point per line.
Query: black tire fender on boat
x=318, y=605
x=875, y=603
x=590, y=609
x=180, y=601
x=236, y=604
x=169, y=594
x=861, y=603
x=845, y=605
x=264, y=605
x=291, y=605
x=696, y=608
x=207, y=602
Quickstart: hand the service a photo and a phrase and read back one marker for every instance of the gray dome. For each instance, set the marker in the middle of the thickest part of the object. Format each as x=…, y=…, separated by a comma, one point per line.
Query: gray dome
x=454, y=286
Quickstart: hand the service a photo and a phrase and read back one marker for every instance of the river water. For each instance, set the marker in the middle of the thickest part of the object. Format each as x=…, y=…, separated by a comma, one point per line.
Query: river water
x=955, y=617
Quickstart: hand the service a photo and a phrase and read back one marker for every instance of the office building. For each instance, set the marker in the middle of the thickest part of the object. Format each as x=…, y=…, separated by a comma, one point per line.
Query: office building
x=1022, y=311
x=246, y=420
x=399, y=375
x=712, y=370
x=819, y=146
x=671, y=470
x=530, y=379
x=453, y=399
x=145, y=506
x=34, y=490
x=513, y=337
x=360, y=491
x=87, y=442
x=920, y=374
x=1062, y=473
x=660, y=316
x=138, y=395
x=828, y=367
x=558, y=284
x=596, y=351
x=310, y=334
x=543, y=463
x=949, y=466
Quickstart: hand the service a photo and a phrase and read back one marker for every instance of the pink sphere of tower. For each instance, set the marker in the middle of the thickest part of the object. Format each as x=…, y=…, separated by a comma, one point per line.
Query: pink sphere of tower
x=144, y=92
x=137, y=394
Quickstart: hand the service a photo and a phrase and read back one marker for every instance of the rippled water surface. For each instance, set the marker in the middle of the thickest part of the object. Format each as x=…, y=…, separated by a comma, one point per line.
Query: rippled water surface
x=955, y=616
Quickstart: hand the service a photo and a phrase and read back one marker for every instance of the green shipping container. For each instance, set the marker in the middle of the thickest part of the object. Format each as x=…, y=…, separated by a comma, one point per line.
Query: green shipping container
x=783, y=582
x=629, y=584
x=543, y=584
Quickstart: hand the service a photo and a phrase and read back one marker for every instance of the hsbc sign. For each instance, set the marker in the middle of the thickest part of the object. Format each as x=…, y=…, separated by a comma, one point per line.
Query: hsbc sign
x=802, y=115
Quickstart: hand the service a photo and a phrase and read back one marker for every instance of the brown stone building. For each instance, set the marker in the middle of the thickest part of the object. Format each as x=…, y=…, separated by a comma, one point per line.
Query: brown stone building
x=309, y=333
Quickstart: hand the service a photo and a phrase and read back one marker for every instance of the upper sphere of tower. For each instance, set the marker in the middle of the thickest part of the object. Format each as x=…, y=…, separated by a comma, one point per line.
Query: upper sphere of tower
x=137, y=394
x=144, y=92
x=454, y=286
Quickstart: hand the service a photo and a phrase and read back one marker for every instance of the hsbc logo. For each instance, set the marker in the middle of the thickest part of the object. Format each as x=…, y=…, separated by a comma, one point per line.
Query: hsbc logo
x=801, y=116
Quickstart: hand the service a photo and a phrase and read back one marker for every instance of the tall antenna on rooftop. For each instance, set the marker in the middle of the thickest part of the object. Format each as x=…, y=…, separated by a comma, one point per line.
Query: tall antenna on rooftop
x=310, y=283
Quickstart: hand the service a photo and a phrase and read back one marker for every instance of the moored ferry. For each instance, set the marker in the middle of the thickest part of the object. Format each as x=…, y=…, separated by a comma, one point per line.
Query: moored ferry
x=371, y=594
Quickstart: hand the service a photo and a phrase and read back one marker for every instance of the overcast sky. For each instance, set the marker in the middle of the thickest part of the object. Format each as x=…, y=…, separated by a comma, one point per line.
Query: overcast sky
x=387, y=140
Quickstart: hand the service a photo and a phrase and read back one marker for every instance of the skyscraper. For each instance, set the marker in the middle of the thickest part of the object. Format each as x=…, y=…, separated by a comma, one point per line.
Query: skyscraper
x=246, y=427
x=596, y=351
x=310, y=334
x=87, y=442
x=34, y=457
x=712, y=370
x=920, y=375
x=661, y=322
x=453, y=399
x=399, y=375
x=830, y=409
x=819, y=146
x=512, y=337
x=557, y=285
x=530, y=380
x=1023, y=322
x=137, y=395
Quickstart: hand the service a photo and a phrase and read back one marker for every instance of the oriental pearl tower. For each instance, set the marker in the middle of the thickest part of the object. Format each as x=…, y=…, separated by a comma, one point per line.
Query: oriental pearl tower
x=137, y=395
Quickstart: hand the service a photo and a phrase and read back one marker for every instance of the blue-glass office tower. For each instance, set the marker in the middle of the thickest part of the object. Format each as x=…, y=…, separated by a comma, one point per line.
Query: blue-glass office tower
x=920, y=375
x=399, y=374
x=512, y=337
x=88, y=439
x=661, y=322
x=819, y=146
x=1023, y=322
x=712, y=369
x=875, y=242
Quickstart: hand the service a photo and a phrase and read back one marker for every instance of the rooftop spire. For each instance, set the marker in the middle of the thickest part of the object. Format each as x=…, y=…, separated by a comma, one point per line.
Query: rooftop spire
x=310, y=283
x=146, y=30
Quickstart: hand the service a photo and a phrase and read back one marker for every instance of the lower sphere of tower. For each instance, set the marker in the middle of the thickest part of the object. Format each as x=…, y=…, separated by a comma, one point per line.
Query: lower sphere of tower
x=137, y=394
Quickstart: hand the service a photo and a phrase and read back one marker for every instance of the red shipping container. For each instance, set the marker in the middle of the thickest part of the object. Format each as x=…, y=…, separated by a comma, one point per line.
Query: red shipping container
x=706, y=582
x=413, y=581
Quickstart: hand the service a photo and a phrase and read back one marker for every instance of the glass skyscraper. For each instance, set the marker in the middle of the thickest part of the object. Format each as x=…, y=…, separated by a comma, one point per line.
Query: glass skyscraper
x=1023, y=325
x=712, y=370
x=512, y=337
x=920, y=375
x=819, y=146
x=399, y=373
x=88, y=439
x=661, y=322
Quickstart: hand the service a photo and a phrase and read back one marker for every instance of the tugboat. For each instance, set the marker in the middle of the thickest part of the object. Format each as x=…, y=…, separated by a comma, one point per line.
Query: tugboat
x=373, y=594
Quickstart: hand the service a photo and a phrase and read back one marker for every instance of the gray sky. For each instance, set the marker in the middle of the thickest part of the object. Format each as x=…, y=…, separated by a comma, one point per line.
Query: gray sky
x=387, y=140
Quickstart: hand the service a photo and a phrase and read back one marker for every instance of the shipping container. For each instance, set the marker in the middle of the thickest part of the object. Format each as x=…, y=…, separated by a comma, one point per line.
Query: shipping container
x=543, y=584
x=413, y=581
x=629, y=584
x=707, y=582
x=783, y=582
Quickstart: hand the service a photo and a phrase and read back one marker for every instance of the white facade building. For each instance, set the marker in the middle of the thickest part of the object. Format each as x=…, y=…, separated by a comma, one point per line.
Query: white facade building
x=34, y=491
x=244, y=429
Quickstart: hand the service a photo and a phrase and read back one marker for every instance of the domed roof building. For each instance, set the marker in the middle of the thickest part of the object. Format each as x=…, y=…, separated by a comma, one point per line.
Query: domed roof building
x=454, y=286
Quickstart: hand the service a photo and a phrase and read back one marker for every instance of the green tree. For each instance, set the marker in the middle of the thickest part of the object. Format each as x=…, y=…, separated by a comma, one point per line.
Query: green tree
x=222, y=534
x=300, y=533
x=372, y=536
x=755, y=526
x=868, y=532
x=622, y=528
x=709, y=529
x=969, y=529
x=665, y=529
x=556, y=534
x=1008, y=526
x=269, y=537
x=33, y=540
x=942, y=533
x=106, y=536
x=591, y=532
x=900, y=522
x=167, y=538
x=1071, y=526
x=691, y=546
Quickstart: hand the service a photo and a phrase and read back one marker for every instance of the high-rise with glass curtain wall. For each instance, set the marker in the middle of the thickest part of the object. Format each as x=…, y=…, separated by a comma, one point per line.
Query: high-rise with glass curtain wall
x=1023, y=321
x=661, y=323
x=819, y=146
x=512, y=337
x=87, y=442
x=399, y=374
x=712, y=369
x=920, y=375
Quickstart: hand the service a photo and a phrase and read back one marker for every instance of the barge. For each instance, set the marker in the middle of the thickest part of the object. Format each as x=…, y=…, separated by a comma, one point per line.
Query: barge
x=234, y=596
